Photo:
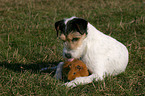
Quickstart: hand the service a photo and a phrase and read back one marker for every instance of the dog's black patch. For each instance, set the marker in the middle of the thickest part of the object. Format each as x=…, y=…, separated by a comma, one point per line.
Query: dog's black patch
x=76, y=24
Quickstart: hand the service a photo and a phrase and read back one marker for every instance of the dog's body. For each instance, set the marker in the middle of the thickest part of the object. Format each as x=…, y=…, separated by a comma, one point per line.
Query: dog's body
x=102, y=54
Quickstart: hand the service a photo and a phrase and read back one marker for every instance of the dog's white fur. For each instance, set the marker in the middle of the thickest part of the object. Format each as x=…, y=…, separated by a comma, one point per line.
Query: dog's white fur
x=102, y=54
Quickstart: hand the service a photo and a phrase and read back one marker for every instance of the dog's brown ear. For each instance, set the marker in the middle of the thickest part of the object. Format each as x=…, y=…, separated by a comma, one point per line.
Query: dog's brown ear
x=81, y=25
x=59, y=25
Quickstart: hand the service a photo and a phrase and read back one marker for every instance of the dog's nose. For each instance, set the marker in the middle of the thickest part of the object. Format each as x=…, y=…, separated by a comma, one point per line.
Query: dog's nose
x=67, y=55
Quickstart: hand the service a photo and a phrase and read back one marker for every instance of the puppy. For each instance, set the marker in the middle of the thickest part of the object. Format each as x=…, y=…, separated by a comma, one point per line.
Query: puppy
x=74, y=69
x=102, y=54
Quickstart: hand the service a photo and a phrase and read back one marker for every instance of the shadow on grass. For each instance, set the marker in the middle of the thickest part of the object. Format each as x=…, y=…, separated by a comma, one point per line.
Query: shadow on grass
x=34, y=68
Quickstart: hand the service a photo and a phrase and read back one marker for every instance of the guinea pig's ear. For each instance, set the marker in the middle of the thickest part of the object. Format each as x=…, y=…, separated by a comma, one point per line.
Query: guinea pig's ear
x=79, y=67
x=67, y=64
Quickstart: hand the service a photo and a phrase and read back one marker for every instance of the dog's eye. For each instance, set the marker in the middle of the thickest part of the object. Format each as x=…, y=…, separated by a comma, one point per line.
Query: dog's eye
x=75, y=39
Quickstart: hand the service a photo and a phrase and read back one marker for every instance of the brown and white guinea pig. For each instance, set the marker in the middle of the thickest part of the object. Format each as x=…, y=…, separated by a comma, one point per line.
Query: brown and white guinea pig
x=75, y=68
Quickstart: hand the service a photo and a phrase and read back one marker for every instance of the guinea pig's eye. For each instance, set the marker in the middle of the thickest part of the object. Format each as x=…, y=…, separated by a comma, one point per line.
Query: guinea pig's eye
x=74, y=73
x=79, y=67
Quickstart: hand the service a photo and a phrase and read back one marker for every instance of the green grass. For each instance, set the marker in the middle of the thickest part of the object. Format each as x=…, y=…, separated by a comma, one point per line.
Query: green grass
x=28, y=42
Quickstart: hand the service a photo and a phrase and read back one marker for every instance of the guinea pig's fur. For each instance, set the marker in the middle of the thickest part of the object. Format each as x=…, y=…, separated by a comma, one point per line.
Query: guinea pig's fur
x=75, y=68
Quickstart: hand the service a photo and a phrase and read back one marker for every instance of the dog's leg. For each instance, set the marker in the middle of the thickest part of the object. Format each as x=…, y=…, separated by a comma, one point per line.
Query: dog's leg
x=58, y=73
x=81, y=81
x=98, y=74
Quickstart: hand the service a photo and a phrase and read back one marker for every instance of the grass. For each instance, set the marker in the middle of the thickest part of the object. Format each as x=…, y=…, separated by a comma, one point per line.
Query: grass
x=28, y=42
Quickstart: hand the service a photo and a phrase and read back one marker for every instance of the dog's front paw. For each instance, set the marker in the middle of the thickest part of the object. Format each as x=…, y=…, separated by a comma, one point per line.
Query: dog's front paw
x=69, y=84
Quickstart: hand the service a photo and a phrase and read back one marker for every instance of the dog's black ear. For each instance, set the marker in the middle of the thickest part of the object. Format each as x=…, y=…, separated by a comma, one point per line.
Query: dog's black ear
x=59, y=25
x=81, y=25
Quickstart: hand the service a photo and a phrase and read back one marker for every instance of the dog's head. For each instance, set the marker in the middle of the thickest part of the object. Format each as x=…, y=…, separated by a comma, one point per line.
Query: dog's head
x=72, y=31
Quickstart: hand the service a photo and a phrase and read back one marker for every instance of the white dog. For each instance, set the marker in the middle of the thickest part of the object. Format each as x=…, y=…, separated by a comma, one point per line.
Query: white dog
x=102, y=54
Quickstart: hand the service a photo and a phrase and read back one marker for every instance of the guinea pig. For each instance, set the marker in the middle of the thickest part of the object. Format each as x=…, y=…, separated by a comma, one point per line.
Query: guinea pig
x=75, y=68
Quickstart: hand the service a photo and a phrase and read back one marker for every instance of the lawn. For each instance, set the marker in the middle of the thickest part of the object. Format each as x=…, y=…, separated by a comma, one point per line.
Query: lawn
x=28, y=42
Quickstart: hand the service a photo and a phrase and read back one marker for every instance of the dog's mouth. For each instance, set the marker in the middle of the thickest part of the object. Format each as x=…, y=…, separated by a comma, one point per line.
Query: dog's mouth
x=70, y=60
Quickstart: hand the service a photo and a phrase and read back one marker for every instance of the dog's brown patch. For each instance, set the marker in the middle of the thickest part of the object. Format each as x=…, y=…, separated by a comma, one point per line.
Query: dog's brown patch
x=73, y=40
x=62, y=37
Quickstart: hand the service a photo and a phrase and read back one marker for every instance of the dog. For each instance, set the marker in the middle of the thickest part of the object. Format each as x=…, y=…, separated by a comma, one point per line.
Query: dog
x=75, y=68
x=102, y=54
